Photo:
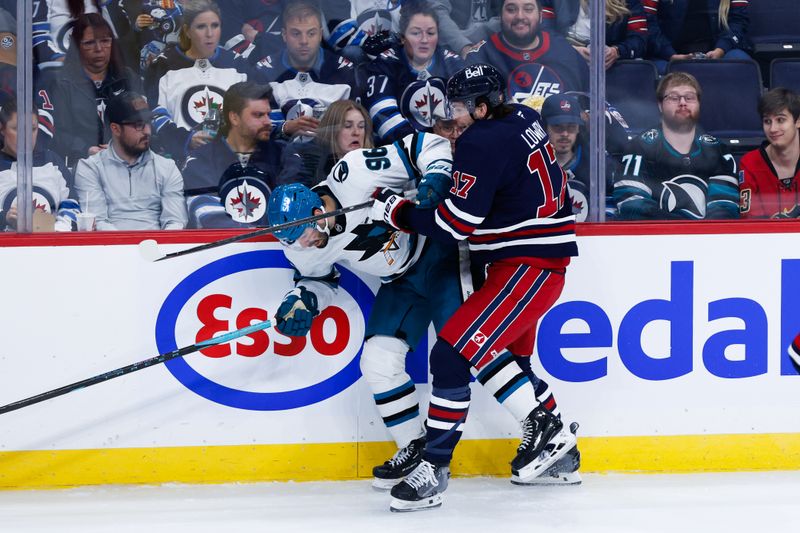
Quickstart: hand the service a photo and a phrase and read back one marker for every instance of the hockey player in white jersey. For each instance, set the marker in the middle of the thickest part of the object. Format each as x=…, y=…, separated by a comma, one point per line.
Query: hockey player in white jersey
x=421, y=281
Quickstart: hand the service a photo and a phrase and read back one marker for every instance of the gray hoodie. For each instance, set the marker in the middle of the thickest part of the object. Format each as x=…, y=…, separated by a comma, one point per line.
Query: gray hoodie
x=147, y=195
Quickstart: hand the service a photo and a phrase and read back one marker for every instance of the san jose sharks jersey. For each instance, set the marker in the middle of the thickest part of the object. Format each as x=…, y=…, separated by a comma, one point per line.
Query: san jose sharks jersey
x=660, y=183
x=356, y=241
x=552, y=67
x=400, y=99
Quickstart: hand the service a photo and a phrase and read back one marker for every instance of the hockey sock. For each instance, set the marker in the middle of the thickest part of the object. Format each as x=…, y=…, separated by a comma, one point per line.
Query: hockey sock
x=447, y=414
x=510, y=386
x=543, y=393
x=449, y=403
x=383, y=366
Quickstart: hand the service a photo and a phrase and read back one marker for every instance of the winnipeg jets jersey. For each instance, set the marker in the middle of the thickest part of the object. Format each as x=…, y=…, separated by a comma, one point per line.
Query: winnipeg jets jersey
x=187, y=87
x=51, y=193
x=355, y=241
x=400, y=99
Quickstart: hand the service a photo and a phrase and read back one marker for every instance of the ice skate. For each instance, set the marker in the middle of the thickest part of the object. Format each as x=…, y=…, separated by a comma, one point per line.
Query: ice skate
x=399, y=466
x=421, y=489
x=545, y=440
x=562, y=472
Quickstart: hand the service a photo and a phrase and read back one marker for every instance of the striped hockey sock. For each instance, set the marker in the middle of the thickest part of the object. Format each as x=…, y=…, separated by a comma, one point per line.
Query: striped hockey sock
x=399, y=409
x=447, y=414
x=543, y=394
x=510, y=386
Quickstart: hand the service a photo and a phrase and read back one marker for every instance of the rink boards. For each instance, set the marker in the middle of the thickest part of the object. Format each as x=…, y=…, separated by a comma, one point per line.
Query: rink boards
x=667, y=346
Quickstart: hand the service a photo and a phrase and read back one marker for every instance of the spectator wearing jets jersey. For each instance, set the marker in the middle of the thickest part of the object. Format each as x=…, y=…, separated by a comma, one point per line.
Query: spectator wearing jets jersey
x=770, y=175
x=344, y=127
x=463, y=23
x=684, y=29
x=534, y=62
x=626, y=27
x=676, y=170
x=190, y=77
x=304, y=75
x=227, y=182
x=93, y=72
x=405, y=86
x=127, y=186
x=54, y=202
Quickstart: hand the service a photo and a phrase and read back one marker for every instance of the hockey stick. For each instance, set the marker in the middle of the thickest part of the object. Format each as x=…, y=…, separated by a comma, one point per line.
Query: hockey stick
x=149, y=248
x=163, y=358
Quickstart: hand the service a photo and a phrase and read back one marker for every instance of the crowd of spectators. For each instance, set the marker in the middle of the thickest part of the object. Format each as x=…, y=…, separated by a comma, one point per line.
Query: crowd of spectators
x=171, y=114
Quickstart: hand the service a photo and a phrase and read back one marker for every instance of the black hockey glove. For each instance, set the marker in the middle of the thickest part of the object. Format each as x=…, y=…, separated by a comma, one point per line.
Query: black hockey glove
x=296, y=312
x=378, y=43
x=387, y=206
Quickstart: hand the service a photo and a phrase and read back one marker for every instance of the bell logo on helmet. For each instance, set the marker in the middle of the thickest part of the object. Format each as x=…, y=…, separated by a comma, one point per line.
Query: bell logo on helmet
x=474, y=72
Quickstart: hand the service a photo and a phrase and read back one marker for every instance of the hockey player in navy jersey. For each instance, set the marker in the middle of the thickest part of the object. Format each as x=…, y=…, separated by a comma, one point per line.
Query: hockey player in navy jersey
x=677, y=171
x=421, y=284
x=514, y=214
x=404, y=87
x=535, y=63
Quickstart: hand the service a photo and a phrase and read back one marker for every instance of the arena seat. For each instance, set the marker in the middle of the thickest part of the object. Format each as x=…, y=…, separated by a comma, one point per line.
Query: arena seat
x=774, y=26
x=785, y=72
x=731, y=89
x=631, y=88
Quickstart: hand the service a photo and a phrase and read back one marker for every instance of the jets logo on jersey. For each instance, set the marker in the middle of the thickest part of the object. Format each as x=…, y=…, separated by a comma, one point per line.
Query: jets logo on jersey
x=686, y=193
x=196, y=102
x=578, y=194
x=372, y=238
x=340, y=172
x=373, y=21
x=42, y=200
x=533, y=80
x=244, y=192
x=422, y=101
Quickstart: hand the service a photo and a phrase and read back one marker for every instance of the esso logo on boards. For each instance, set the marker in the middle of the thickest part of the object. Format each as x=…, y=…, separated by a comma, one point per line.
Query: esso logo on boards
x=263, y=371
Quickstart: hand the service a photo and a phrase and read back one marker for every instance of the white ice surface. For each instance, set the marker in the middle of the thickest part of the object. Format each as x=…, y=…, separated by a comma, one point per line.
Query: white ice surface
x=725, y=502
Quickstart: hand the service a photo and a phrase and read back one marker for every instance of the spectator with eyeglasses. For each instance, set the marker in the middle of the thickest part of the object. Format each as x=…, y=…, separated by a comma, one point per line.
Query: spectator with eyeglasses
x=128, y=186
x=676, y=170
x=93, y=72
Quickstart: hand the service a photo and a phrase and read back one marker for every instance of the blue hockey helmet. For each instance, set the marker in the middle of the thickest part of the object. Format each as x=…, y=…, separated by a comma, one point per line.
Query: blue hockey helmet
x=474, y=81
x=291, y=202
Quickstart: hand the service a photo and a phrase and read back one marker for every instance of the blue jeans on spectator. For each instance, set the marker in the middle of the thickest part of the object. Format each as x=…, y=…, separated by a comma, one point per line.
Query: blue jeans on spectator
x=733, y=53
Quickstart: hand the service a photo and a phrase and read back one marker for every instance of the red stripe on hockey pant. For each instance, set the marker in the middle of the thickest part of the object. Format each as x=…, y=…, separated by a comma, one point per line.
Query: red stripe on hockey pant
x=522, y=328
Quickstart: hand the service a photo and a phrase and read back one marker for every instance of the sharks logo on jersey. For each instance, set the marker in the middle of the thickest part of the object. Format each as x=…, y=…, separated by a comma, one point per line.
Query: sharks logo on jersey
x=197, y=100
x=687, y=194
x=533, y=80
x=422, y=101
x=372, y=238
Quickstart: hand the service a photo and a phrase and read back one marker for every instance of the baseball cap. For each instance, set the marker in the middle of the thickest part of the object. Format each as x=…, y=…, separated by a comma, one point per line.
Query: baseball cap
x=128, y=107
x=8, y=24
x=561, y=109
